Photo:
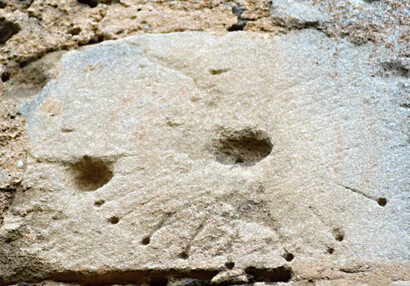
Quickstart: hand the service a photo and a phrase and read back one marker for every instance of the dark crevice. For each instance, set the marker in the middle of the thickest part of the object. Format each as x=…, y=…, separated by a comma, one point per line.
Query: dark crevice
x=7, y=195
x=7, y=30
x=91, y=3
x=352, y=271
x=405, y=105
x=94, y=40
x=94, y=3
x=150, y=277
x=295, y=24
x=237, y=10
x=380, y=201
x=158, y=277
x=279, y=274
x=24, y=61
x=218, y=71
x=158, y=281
x=237, y=26
x=394, y=68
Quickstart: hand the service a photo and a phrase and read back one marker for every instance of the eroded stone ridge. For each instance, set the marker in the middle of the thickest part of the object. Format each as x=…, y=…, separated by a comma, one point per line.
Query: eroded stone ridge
x=192, y=152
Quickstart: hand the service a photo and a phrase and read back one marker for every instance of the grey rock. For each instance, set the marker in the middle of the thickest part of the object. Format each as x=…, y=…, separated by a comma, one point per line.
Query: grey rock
x=188, y=150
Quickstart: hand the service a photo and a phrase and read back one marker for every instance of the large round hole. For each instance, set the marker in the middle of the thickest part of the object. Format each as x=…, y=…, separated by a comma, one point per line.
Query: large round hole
x=245, y=147
x=91, y=174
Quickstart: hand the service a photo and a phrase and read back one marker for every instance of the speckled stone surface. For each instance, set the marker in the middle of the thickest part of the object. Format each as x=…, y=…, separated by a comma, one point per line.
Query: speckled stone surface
x=191, y=151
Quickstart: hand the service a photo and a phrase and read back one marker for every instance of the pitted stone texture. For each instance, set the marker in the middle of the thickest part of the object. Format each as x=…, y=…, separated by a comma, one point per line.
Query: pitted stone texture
x=144, y=113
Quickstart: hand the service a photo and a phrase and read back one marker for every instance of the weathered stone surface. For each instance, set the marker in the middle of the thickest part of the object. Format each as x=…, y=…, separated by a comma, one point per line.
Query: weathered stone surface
x=191, y=152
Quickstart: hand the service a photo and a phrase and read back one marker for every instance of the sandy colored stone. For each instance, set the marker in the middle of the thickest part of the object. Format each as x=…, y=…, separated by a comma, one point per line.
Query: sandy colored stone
x=183, y=152
x=12, y=152
x=377, y=32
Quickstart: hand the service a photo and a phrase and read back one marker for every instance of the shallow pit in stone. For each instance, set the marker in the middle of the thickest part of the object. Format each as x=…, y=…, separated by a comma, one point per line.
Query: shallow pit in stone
x=245, y=147
x=91, y=174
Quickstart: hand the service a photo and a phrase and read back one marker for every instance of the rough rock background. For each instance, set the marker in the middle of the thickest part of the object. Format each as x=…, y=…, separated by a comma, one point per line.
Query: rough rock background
x=34, y=35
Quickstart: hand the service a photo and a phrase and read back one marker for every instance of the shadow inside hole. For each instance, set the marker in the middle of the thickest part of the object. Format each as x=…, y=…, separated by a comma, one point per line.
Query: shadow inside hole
x=338, y=234
x=146, y=240
x=91, y=3
x=183, y=255
x=330, y=250
x=218, y=71
x=7, y=30
x=382, y=201
x=91, y=174
x=229, y=265
x=244, y=147
x=279, y=274
x=114, y=220
x=99, y=203
x=288, y=256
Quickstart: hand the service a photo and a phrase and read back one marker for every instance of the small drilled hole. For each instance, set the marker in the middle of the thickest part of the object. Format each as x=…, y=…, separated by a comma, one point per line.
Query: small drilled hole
x=338, y=234
x=183, y=255
x=330, y=250
x=114, y=220
x=146, y=240
x=288, y=256
x=99, y=203
x=229, y=265
x=382, y=201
